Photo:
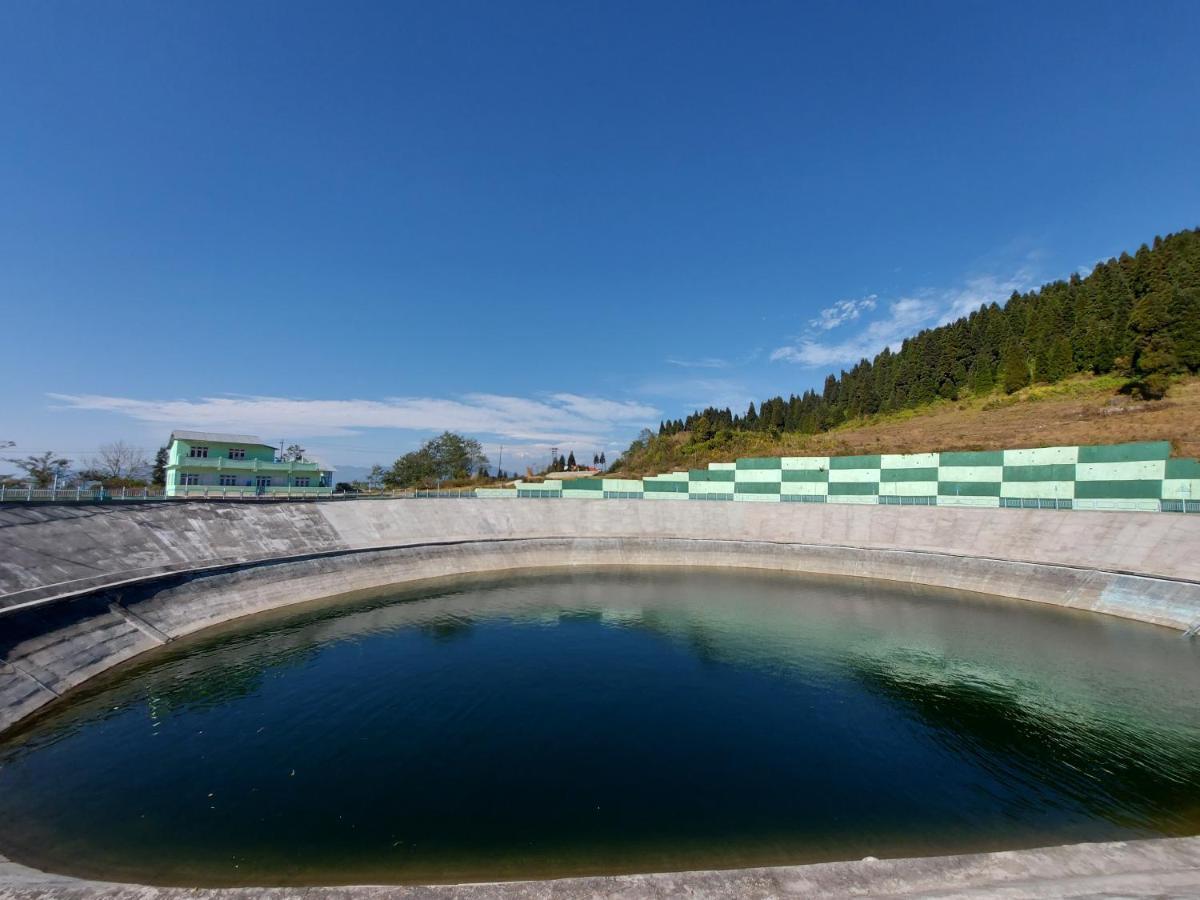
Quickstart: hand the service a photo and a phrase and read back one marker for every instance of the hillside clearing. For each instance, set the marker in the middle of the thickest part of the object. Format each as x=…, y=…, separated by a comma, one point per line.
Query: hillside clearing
x=1079, y=410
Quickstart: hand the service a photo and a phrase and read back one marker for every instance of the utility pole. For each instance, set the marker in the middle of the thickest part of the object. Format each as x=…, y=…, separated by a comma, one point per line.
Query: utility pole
x=553, y=458
x=500, y=464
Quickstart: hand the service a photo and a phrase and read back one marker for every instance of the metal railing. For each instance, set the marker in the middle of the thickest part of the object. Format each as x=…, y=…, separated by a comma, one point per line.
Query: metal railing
x=28, y=494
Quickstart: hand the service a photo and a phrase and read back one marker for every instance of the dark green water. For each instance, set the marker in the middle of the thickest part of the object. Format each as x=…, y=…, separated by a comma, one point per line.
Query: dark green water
x=604, y=722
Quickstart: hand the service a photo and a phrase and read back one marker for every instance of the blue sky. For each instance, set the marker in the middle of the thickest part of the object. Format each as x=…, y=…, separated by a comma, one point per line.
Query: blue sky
x=353, y=225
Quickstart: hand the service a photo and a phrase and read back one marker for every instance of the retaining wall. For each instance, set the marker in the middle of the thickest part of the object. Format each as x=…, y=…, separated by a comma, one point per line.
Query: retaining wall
x=85, y=588
x=1135, y=476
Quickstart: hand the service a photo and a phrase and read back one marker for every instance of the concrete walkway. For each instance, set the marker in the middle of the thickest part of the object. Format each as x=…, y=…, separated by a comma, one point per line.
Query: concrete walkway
x=1154, y=868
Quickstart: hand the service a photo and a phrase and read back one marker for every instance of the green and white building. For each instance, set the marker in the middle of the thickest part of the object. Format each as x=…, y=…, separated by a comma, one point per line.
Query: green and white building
x=207, y=464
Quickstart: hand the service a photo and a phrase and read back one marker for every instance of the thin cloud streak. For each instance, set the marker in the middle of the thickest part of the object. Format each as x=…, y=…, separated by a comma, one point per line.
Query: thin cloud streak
x=561, y=418
x=710, y=362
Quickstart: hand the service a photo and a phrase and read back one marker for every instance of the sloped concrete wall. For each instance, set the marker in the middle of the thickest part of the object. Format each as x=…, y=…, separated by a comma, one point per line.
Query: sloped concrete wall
x=83, y=589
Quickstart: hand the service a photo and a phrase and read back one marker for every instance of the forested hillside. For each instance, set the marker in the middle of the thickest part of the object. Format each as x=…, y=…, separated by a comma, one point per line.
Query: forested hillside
x=1134, y=319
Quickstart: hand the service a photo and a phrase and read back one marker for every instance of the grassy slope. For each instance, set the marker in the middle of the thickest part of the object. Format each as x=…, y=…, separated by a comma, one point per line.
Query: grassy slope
x=1079, y=410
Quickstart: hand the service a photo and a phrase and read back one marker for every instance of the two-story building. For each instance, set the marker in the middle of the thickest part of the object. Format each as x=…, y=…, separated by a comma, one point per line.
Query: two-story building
x=203, y=463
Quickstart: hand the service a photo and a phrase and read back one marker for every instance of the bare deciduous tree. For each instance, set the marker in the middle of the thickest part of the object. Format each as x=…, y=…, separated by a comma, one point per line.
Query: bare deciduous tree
x=118, y=461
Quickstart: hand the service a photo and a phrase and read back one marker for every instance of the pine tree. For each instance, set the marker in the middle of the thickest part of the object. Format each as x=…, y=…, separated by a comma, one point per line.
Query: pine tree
x=1014, y=369
x=982, y=378
x=158, y=476
x=1062, y=362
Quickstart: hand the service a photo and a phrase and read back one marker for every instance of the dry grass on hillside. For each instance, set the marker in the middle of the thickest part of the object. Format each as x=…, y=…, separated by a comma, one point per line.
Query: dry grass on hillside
x=1071, y=417
x=1081, y=410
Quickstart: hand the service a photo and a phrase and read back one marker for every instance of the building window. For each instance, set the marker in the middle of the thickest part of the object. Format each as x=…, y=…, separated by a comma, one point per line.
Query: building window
x=228, y=480
x=237, y=453
x=262, y=481
x=198, y=453
x=189, y=479
x=301, y=482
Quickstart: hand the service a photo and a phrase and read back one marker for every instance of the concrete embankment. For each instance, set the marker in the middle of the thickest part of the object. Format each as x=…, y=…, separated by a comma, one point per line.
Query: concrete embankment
x=1152, y=868
x=85, y=588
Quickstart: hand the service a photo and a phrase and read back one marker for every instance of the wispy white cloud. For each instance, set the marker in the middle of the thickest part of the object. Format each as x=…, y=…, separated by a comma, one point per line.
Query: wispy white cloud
x=904, y=317
x=841, y=312
x=708, y=362
x=560, y=418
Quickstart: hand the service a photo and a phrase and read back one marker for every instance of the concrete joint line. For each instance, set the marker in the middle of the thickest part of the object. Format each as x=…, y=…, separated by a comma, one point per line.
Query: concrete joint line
x=32, y=677
x=140, y=624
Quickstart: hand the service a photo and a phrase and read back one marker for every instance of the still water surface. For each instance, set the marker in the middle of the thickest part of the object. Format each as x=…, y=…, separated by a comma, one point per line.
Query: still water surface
x=610, y=721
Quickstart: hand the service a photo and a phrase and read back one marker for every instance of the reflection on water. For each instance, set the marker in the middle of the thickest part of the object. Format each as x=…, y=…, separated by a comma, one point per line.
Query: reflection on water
x=605, y=721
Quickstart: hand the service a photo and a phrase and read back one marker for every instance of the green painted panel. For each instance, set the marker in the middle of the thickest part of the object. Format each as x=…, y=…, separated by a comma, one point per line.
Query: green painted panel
x=757, y=487
x=1147, y=489
x=1042, y=456
x=1049, y=472
x=968, y=489
x=811, y=487
x=805, y=462
x=710, y=475
x=908, y=488
x=920, y=474
x=775, y=475
x=760, y=462
x=853, y=488
x=584, y=484
x=973, y=458
x=805, y=475
x=908, y=460
x=1177, y=489
x=623, y=484
x=854, y=462
x=970, y=473
x=1139, y=470
x=1183, y=468
x=1137, y=452
x=1059, y=490
x=664, y=487
x=710, y=487
x=854, y=475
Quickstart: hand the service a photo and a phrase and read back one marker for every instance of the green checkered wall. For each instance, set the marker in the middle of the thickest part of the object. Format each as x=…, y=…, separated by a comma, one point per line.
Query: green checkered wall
x=1138, y=476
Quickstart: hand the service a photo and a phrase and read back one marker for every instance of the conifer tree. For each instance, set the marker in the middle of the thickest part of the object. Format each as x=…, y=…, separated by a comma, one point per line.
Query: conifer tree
x=1014, y=369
